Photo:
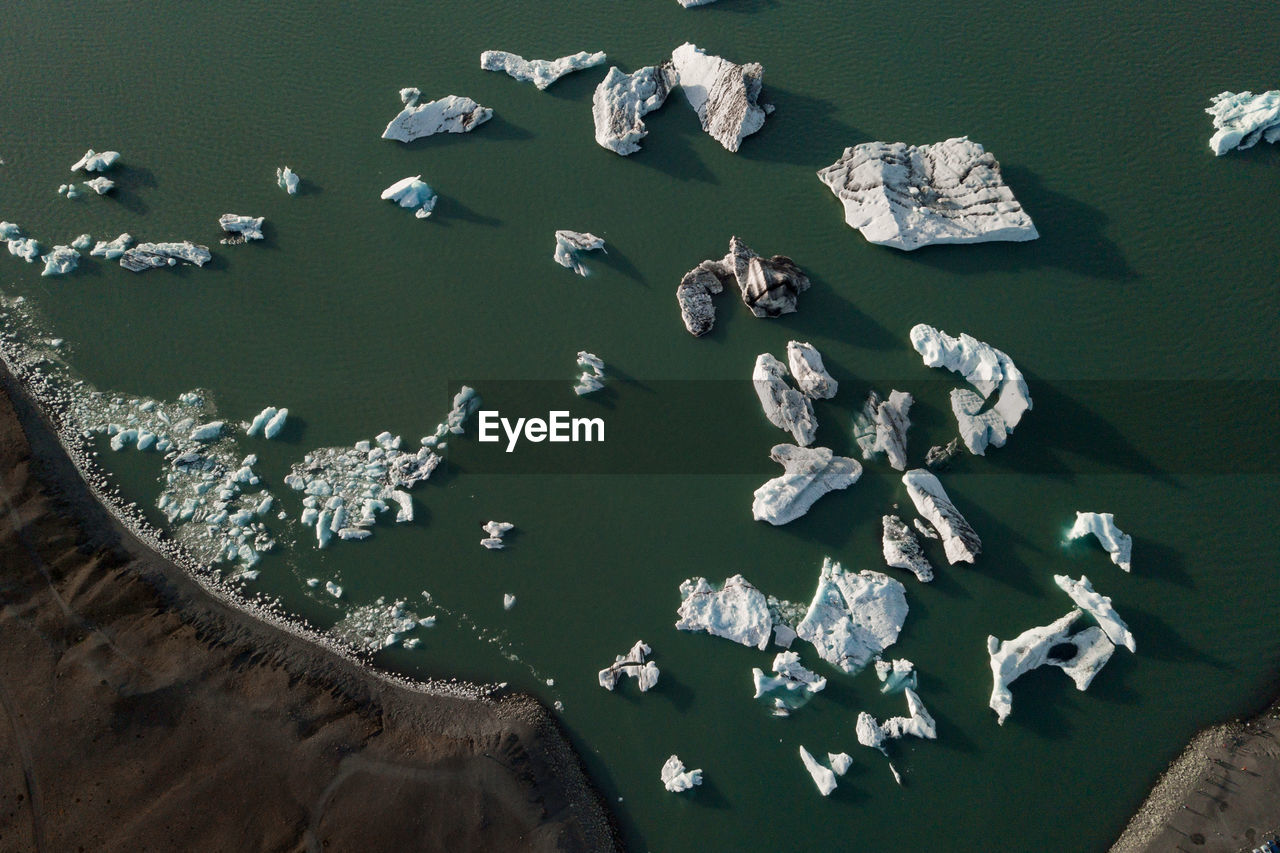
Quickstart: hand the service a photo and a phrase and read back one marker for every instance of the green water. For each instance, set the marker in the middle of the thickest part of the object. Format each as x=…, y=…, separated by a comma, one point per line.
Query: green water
x=1144, y=317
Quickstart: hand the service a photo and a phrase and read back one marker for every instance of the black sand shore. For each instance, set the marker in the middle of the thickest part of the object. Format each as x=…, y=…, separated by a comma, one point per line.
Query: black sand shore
x=141, y=712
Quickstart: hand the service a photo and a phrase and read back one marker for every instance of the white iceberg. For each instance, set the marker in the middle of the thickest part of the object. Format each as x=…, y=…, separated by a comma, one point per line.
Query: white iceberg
x=110, y=250
x=96, y=161
x=592, y=378
x=959, y=540
x=540, y=72
x=810, y=373
x=791, y=688
x=450, y=114
x=896, y=675
x=1103, y=526
x=908, y=196
x=823, y=777
x=1242, y=119
x=676, y=779
x=902, y=549
x=101, y=186
x=881, y=427
x=919, y=724
x=621, y=101
x=83, y=243
x=810, y=473
x=508, y=601
x=145, y=256
x=410, y=193
x=840, y=762
x=722, y=93
x=736, y=610
x=496, y=530
x=241, y=228
x=69, y=190
x=287, y=180
x=268, y=422
x=570, y=243
x=853, y=617
x=633, y=663
x=10, y=231
x=1099, y=607
x=60, y=261
x=207, y=432
x=1034, y=648
x=333, y=589
x=24, y=247
x=785, y=407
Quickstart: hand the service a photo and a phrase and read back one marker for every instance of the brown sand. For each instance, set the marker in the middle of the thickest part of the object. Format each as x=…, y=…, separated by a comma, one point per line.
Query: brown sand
x=140, y=713
x=1221, y=795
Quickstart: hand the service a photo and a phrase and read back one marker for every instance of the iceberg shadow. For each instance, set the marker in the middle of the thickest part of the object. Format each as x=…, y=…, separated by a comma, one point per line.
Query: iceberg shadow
x=1157, y=641
x=448, y=209
x=496, y=128
x=615, y=259
x=801, y=131
x=128, y=180
x=824, y=310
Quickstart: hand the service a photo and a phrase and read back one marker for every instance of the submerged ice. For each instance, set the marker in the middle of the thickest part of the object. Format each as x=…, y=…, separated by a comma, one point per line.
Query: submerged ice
x=792, y=685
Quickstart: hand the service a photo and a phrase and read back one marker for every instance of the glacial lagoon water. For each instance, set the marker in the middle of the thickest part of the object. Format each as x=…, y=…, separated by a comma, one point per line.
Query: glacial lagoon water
x=1144, y=318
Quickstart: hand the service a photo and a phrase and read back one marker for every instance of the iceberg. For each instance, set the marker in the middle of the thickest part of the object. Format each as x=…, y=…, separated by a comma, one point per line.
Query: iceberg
x=853, y=616
x=940, y=456
x=1103, y=526
x=24, y=247
x=735, y=610
x=145, y=256
x=633, y=663
x=1099, y=607
x=110, y=250
x=823, y=777
x=412, y=193
x=96, y=161
x=985, y=368
x=207, y=432
x=496, y=530
x=793, y=686
x=287, y=180
x=840, y=762
x=810, y=373
x=10, y=231
x=810, y=473
x=101, y=186
x=450, y=114
x=881, y=427
x=83, y=243
x=69, y=190
x=722, y=93
x=268, y=422
x=540, y=72
x=333, y=589
x=508, y=601
x=1241, y=120
x=241, y=228
x=896, y=675
x=60, y=261
x=920, y=724
x=592, y=378
x=1090, y=650
x=622, y=100
x=902, y=549
x=908, y=196
x=959, y=540
x=769, y=286
x=785, y=407
x=690, y=3
x=676, y=779
x=570, y=243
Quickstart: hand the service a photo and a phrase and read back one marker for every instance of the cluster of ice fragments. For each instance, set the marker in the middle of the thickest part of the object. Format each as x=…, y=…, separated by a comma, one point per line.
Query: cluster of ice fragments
x=908, y=196
x=769, y=286
x=810, y=472
x=881, y=427
x=1241, y=120
x=784, y=406
x=825, y=777
x=790, y=687
x=494, y=532
x=450, y=114
x=633, y=663
x=570, y=243
x=287, y=180
x=592, y=376
x=379, y=625
x=676, y=779
x=240, y=228
x=96, y=161
x=853, y=616
x=540, y=72
x=985, y=368
x=1103, y=526
x=68, y=190
x=268, y=422
x=412, y=194
x=959, y=540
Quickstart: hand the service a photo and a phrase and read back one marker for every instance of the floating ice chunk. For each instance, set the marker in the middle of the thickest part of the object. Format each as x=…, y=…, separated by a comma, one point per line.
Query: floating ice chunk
x=633, y=664
x=207, y=432
x=840, y=762
x=113, y=249
x=412, y=193
x=868, y=732
x=897, y=675
x=941, y=455
x=409, y=96
x=83, y=242
x=793, y=686
x=570, y=243
x=902, y=549
x=24, y=247
x=785, y=407
x=96, y=161
x=809, y=372
x=1099, y=607
x=676, y=779
x=722, y=93
x=260, y=420
x=69, y=190
x=9, y=231
x=241, y=228
x=508, y=601
x=881, y=427
x=275, y=424
x=1103, y=525
x=736, y=611
x=540, y=72
x=853, y=617
x=450, y=114
x=621, y=101
x=958, y=539
x=810, y=473
x=769, y=286
x=333, y=589
x=1092, y=651
x=822, y=776
x=287, y=180
x=145, y=256
x=496, y=530
x=1243, y=119
x=404, y=505
x=920, y=724
x=101, y=186
x=592, y=378
x=908, y=196
x=60, y=261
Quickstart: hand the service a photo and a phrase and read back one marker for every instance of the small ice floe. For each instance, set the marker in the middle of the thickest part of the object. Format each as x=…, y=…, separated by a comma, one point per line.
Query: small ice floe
x=769, y=286
x=792, y=686
x=146, y=256
x=313, y=582
x=919, y=724
x=785, y=407
x=10, y=231
x=68, y=190
x=496, y=530
x=881, y=427
x=823, y=777
x=840, y=762
x=412, y=193
x=902, y=549
x=810, y=473
x=645, y=672
x=722, y=93
x=622, y=100
x=853, y=617
x=287, y=180
x=674, y=777
x=508, y=601
x=540, y=72
x=101, y=186
x=24, y=247
x=60, y=261
x=1099, y=607
x=110, y=250
x=96, y=161
x=1103, y=526
x=333, y=589
x=940, y=456
x=82, y=243
x=1242, y=119
x=735, y=610
x=959, y=540
x=985, y=368
x=268, y=422
x=450, y=114
x=592, y=378
x=207, y=432
x=1080, y=656
x=897, y=675
x=810, y=373
x=570, y=243
x=240, y=228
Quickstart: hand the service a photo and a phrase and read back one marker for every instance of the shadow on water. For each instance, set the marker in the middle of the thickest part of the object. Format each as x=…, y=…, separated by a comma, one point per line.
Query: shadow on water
x=615, y=259
x=1041, y=700
x=821, y=138
x=1161, y=562
x=306, y=187
x=449, y=210
x=128, y=180
x=669, y=146
x=496, y=128
x=1158, y=641
x=824, y=310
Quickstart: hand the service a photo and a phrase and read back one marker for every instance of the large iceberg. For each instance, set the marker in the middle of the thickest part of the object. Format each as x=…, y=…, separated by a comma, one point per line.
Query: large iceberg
x=240, y=228
x=146, y=256
x=985, y=368
x=785, y=407
x=412, y=193
x=570, y=243
x=1244, y=118
x=736, y=610
x=60, y=261
x=722, y=93
x=791, y=687
x=902, y=549
x=96, y=161
x=621, y=102
x=1099, y=607
x=676, y=779
x=881, y=427
x=287, y=180
x=810, y=473
x=823, y=777
x=1103, y=525
x=769, y=286
x=810, y=373
x=1090, y=650
x=959, y=540
x=450, y=114
x=853, y=616
x=908, y=196
x=540, y=72
x=633, y=663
